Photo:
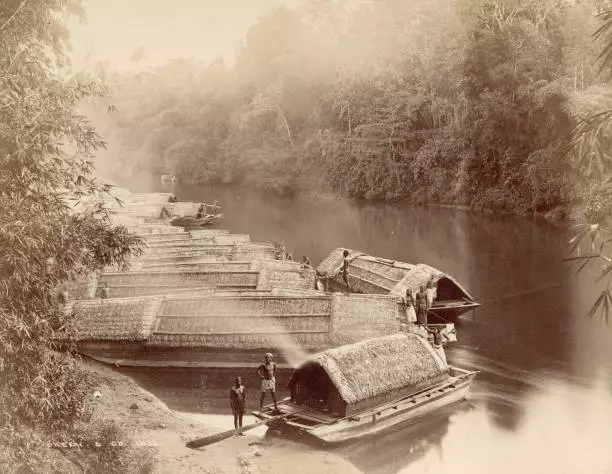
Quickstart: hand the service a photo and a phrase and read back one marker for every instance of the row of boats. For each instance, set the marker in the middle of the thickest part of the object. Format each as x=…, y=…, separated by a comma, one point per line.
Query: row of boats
x=204, y=297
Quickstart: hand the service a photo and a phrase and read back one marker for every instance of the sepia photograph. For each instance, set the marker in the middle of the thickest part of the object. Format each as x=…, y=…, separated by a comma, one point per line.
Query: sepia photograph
x=306, y=236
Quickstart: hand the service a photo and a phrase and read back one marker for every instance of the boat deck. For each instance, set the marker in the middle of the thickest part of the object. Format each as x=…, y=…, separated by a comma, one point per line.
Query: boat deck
x=295, y=412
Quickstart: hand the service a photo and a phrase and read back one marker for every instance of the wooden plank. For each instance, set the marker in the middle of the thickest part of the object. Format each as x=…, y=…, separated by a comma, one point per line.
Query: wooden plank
x=299, y=425
x=205, y=441
x=271, y=333
x=245, y=315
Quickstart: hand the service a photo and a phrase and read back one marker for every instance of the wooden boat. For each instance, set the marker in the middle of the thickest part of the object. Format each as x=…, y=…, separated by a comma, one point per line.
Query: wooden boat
x=368, y=274
x=203, y=324
x=361, y=389
x=190, y=222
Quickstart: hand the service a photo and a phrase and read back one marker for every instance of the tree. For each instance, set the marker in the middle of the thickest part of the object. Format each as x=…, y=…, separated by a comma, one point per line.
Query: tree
x=45, y=157
x=589, y=145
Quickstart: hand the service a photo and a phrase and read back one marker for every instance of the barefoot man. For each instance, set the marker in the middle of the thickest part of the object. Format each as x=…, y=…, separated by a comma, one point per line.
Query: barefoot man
x=267, y=373
x=345, y=270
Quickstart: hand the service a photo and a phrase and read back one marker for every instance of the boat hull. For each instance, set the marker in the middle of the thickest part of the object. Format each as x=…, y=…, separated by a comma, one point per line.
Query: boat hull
x=370, y=425
x=383, y=418
x=194, y=222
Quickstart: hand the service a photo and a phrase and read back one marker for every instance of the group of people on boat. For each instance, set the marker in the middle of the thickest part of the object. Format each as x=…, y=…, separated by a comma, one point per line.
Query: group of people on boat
x=419, y=304
x=237, y=394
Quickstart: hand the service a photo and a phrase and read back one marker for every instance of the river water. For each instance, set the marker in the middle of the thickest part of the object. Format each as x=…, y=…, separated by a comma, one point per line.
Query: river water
x=543, y=402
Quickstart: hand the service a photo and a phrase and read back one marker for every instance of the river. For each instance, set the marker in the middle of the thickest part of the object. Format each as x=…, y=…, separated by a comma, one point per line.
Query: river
x=543, y=402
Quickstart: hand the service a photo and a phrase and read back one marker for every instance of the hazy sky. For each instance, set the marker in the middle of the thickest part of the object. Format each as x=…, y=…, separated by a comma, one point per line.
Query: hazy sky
x=201, y=29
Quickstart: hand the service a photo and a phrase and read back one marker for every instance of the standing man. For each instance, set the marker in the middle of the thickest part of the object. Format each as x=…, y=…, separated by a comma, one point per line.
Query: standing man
x=267, y=373
x=237, y=402
x=421, y=306
x=411, y=316
x=345, y=270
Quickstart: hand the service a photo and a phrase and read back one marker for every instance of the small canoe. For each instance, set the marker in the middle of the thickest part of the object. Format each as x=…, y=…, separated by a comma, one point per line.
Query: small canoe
x=195, y=222
x=345, y=392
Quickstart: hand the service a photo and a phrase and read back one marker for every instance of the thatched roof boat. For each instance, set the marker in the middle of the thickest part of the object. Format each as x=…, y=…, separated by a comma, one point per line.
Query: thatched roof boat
x=363, y=388
x=204, y=323
x=368, y=274
x=159, y=281
x=228, y=251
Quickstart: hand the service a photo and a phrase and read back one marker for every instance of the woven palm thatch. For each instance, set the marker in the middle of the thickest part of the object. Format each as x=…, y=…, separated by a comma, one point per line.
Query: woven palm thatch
x=186, y=239
x=374, y=367
x=165, y=236
x=416, y=277
x=114, y=319
x=207, y=233
x=150, y=283
x=369, y=274
x=198, y=266
x=333, y=262
x=182, y=209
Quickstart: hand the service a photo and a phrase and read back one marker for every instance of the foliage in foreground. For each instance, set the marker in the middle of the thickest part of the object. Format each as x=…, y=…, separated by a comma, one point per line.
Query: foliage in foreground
x=46, y=148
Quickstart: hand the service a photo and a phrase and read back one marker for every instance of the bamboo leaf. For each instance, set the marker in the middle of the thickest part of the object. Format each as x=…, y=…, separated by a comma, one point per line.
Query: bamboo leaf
x=596, y=305
x=606, y=305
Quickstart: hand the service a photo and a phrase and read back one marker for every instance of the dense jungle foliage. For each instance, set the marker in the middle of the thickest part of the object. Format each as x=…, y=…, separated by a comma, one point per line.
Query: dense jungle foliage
x=46, y=148
x=458, y=102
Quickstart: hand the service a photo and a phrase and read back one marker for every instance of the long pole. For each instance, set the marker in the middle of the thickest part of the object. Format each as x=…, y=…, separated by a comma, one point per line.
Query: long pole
x=199, y=442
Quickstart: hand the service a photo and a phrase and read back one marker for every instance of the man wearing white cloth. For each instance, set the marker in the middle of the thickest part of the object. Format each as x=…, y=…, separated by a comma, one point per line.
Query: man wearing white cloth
x=267, y=373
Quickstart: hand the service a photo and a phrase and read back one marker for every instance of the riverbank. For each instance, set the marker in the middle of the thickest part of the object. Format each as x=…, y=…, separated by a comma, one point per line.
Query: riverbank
x=153, y=427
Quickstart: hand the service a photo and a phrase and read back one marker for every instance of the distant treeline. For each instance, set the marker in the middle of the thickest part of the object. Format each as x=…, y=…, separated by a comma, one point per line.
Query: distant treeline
x=456, y=102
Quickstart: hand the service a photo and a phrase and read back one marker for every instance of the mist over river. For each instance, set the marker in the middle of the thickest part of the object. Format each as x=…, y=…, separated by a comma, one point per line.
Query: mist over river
x=543, y=402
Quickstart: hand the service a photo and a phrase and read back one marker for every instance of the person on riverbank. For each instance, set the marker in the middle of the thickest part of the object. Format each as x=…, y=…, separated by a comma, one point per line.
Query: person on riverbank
x=345, y=271
x=238, y=402
x=421, y=306
x=267, y=373
x=410, y=311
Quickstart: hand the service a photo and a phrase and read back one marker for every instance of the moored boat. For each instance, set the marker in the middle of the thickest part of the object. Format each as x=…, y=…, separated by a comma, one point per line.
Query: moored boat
x=363, y=388
x=189, y=222
x=368, y=274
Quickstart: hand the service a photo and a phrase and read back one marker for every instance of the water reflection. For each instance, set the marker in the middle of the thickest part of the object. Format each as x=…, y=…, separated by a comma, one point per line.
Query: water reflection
x=564, y=430
x=390, y=452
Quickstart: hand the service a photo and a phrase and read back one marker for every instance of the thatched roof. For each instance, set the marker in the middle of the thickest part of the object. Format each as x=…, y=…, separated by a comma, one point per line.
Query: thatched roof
x=182, y=209
x=333, y=262
x=374, y=367
x=416, y=277
x=370, y=274
x=204, y=233
x=114, y=319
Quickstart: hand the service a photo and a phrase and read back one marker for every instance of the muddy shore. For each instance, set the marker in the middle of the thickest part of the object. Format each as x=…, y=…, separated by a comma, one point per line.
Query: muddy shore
x=165, y=432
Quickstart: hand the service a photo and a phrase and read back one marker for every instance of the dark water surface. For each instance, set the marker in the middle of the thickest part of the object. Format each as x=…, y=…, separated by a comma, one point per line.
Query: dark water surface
x=543, y=402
